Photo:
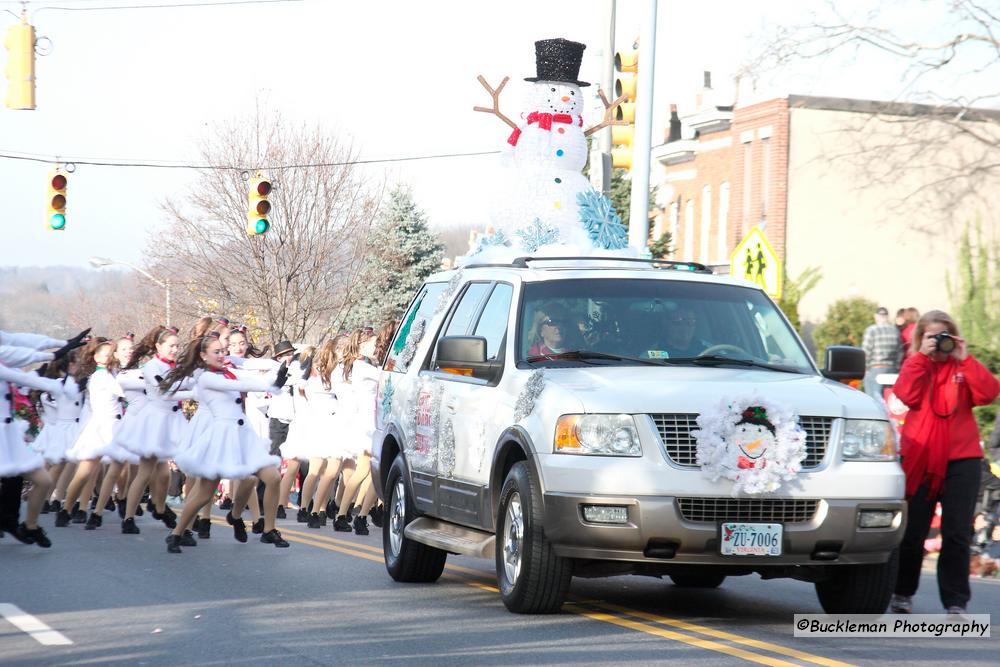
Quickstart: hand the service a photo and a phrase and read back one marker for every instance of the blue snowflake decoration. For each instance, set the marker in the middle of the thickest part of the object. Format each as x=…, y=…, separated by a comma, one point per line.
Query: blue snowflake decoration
x=490, y=240
x=601, y=221
x=536, y=235
x=387, y=393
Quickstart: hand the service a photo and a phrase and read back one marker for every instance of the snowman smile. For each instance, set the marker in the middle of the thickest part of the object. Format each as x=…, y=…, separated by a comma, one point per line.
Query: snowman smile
x=753, y=450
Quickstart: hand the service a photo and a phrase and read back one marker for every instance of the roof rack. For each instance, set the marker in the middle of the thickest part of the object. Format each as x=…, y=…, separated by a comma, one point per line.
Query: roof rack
x=695, y=267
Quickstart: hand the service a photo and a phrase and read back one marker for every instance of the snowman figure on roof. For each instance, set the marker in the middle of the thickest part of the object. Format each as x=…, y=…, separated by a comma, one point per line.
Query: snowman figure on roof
x=544, y=200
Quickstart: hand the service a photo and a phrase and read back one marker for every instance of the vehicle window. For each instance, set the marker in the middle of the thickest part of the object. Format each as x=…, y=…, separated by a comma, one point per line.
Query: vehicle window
x=492, y=323
x=465, y=312
x=654, y=319
x=422, y=308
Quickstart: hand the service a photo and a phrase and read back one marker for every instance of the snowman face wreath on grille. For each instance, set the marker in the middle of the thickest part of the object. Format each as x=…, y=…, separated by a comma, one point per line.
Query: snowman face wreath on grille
x=553, y=97
x=751, y=442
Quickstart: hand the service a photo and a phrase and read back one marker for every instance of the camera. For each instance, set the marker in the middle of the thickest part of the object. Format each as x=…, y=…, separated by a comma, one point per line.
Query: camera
x=945, y=342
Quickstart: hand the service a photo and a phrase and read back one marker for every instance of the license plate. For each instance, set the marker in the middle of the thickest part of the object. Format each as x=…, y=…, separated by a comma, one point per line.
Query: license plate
x=751, y=539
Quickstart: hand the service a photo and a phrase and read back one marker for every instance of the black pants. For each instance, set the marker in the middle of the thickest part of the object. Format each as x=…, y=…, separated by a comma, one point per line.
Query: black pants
x=278, y=432
x=958, y=504
x=10, y=502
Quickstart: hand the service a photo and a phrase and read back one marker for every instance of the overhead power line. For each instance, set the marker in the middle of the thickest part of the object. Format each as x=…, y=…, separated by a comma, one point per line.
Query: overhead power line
x=166, y=5
x=168, y=164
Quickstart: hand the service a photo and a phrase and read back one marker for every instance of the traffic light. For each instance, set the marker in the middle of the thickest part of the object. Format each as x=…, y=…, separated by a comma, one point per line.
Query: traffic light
x=627, y=64
x=56, y=203
x=20, y=69
x=258, y=206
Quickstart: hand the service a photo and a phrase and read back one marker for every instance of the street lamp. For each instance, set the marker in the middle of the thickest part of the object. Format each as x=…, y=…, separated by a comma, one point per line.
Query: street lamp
x=99, y=262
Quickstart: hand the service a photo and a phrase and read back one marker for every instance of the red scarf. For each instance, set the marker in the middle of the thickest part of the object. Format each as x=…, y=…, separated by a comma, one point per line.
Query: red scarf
x=544, y=121
x=226, y=373
x=168, y=362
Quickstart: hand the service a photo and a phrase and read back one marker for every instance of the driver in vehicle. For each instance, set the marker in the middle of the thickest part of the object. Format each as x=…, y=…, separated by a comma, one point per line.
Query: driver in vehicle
x=681, y=342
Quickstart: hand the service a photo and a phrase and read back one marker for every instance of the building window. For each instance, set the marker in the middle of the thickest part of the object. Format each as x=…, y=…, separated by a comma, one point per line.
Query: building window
x=766, y=147
x=747, y=180
x=688, y=231
x=722, y=251
x=706, y=224
x=675, y=214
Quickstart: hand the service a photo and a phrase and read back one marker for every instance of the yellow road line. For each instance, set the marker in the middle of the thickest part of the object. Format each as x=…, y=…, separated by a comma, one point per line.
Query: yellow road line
x=603, y=611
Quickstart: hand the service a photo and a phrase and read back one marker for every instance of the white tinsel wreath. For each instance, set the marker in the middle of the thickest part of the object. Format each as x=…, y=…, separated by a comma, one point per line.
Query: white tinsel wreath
x=720, y=437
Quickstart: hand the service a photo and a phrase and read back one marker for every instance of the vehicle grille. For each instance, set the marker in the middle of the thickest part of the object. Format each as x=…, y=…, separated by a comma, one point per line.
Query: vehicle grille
x=712, y=510
x=675, y=432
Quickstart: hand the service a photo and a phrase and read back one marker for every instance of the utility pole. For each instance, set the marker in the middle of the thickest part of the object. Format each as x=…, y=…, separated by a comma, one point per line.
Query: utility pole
x=642, y=146
x=600, y=152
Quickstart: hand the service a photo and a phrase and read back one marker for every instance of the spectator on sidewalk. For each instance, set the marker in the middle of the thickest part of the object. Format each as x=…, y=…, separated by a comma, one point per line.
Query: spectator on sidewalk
x=910, y=317
x=883, y=352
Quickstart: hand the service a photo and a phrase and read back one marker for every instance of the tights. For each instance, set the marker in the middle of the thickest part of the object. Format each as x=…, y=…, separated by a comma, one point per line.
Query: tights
x=356, y=483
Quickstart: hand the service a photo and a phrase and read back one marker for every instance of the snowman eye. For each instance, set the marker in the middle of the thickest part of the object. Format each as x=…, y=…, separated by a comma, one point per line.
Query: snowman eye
x=552, y=89
x=572, y=92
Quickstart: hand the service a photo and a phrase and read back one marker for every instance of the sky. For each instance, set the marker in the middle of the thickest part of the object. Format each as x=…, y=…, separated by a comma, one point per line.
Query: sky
x=395, y=77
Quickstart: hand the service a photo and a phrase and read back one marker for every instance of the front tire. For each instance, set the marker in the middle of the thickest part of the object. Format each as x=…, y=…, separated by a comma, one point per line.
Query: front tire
x=405, y=559
x=859, y=589
x=532, y=578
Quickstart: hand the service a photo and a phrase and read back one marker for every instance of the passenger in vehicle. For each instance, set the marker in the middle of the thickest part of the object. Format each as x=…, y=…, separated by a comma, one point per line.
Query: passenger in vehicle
x=680, y=339
x=552, y=331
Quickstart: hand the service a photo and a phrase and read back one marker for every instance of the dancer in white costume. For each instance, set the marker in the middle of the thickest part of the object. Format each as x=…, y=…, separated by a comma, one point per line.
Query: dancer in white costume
x=95, y=444
x=153, y=433
x=228, y=446
x=295, y=448
x=361, y=377
x=62, y=417
x=16, y=459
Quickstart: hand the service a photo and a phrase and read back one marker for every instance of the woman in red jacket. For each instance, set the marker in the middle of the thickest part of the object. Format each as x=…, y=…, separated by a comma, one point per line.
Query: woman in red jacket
x=940, y=382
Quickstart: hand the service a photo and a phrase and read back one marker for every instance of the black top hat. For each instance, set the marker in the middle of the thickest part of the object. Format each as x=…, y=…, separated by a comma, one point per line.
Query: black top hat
x=283, y=347
x=558, y=60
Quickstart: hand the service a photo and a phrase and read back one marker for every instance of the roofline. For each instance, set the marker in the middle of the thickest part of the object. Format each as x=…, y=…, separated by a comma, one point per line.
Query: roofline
x=890, y=108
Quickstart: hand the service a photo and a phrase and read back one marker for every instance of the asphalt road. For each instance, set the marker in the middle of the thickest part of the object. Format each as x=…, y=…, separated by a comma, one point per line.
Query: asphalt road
x=327, y=600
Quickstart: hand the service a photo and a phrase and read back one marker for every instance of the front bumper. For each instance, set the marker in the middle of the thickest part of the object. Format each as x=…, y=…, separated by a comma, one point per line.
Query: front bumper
x=656, y=532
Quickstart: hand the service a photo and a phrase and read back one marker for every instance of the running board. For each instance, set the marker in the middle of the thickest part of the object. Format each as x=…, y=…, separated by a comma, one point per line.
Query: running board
x=451, y=537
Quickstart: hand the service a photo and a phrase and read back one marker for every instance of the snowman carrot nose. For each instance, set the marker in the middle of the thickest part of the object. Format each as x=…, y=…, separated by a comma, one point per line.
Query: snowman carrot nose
x=753, y=445
x=565, y=98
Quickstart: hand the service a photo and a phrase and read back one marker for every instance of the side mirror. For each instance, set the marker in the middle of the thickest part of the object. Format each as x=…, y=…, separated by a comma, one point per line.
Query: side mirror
x=844, y=362
x=466, y=355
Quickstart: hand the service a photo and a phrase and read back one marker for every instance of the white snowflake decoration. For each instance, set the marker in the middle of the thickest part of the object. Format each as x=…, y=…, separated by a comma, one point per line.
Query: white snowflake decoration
x=490, y=241
x=754, y=457
x=388, y=392
x=601, y=221
x=537, y=234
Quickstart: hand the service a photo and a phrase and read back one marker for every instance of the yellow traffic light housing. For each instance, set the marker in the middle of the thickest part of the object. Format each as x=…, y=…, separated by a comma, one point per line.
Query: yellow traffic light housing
x=258, y=206
x=627, y=64
x=20, y=68
x=56, y=202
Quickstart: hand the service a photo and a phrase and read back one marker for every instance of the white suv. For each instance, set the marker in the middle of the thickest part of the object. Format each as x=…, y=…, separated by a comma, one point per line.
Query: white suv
x=541, y=413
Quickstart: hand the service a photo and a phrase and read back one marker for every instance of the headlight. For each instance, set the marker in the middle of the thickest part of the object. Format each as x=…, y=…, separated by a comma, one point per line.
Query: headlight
x=607, y=435
x=868, y=440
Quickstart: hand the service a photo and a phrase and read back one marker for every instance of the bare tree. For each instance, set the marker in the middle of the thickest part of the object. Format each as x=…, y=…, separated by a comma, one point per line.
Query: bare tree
x=937, y=151
x=292, y=281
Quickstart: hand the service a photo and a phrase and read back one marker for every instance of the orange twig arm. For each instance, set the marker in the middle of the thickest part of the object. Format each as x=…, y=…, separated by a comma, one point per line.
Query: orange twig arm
x=495, y=94
x=609, y=110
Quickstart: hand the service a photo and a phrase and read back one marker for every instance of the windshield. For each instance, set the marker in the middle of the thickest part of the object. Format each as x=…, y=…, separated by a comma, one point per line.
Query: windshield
x=669, y=322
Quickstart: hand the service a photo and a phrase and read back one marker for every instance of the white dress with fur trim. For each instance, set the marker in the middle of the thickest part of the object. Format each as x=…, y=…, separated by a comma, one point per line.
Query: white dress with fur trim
x=227, y=445
x=134, y=387
x=359, y=419
x=16, y=457
x=156, y=429
x=62, y=427
x=320, y=429
x=96, y=439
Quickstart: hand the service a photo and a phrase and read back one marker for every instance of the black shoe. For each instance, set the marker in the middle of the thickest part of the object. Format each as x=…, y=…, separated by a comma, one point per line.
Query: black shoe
x=322, y=519
x=376, y=515
x=94, y=521
x=302, y=516
x=351, y=509
x=150, y=507
x=110, y=505
x=138, y=510
x=32, y=535
x=360, y=525
x=62, y=519
x=129, y=527
x=187, y=539
x=45, y=508
x=313, y=521
x=332, y=508
x=169, y=512
x=169, y=520
x=274, y=537
x=121, y=509
x=257, y=526
x=281, y=512
x=55, y=506
x=342, y=524
x=93, y=503
x=227, y=503
x=79, y=516
x=173, y=543
x=239, y=527
x=205, y=529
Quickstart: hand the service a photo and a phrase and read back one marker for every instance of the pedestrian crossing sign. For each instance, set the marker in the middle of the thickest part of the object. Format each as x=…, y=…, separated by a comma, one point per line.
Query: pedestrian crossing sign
x=755, y=260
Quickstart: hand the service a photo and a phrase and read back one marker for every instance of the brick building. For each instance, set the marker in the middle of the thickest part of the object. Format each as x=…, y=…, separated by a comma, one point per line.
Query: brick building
x=722, y=170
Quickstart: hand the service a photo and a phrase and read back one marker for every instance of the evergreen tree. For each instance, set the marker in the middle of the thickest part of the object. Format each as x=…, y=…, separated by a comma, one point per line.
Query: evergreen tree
x=401, y=253
x=845, y=324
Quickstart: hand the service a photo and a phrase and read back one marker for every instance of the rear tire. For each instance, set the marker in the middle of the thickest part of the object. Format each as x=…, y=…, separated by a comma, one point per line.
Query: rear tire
x=532, y=578
x=707, y=579
x=859, y=589
x=405, y=559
